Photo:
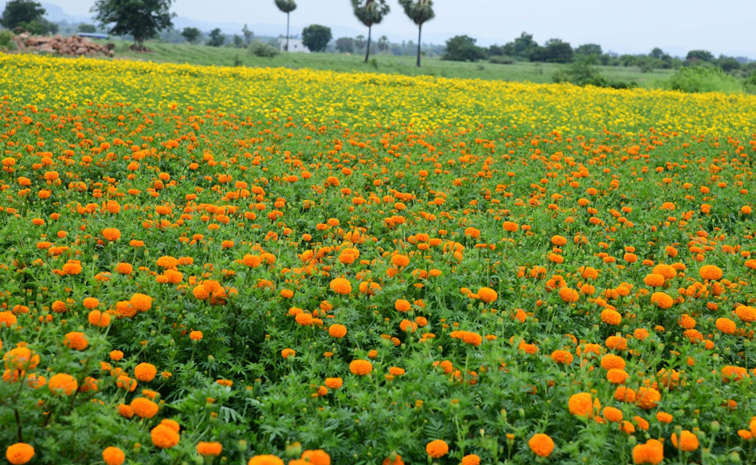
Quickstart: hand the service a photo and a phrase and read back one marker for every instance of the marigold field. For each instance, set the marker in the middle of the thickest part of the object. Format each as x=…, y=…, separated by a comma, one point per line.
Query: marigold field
x=267, y=266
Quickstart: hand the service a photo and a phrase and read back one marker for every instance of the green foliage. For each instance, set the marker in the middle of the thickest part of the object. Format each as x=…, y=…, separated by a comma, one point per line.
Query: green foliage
x=316, y=37
x=420, y=12
x=502, y=60
x=286, y=6
x=6, y=39
x=215, y=38
x=699, y=55
x=370, y=12
x=553, y=51
x=18, y=13
x=463, y=48
x=89, y=28
x=191, y=34
x=704, y=79
x=589, y=49
x=584, y=73
x=345, y=45
x=142, y=19
x=259, y=48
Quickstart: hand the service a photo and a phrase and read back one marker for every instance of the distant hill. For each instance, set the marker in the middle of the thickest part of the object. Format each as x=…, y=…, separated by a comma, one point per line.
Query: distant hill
x=56, y=14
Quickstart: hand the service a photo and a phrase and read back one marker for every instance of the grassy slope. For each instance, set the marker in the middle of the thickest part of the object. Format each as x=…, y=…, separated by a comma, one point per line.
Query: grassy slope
x=405, y=65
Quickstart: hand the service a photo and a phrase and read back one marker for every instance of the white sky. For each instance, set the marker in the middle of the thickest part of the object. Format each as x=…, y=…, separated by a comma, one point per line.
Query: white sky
x=625, y=26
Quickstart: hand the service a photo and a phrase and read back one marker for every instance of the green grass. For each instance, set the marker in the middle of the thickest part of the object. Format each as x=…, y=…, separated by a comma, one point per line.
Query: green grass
x=388, y=64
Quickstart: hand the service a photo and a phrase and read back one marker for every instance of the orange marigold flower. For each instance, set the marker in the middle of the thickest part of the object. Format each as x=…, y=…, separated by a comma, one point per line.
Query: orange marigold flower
x=746, y=314
x=487, y=295
x=316, y=457
x=98, y=318
x=361, y=367
x=195, y=335
x=616, y=376
x=471, y=459
x=165, y=437
x=654, y=280
x=688, y=441
x=580, y=404
x=19, y=453
x=145, y=372
x=265, y=460
x=613, y=414
x=437, y=448
x=664, y=417
x=111, y=234
x=651, y=453
x=610, y=361
x=402, y=305
x=541, y=445
x=90, y=303
x=206, y=449
x=611, y=317
x=144, y=408
x=113, y=456
x=662, y=300
x=562, y=356
x=337, y=331
x=710, y=272
x=62, y=383
x=76, y=340
x=141, y=302
x=647, y=398
x=286, y=353
x=333, y=383
x=341, y=286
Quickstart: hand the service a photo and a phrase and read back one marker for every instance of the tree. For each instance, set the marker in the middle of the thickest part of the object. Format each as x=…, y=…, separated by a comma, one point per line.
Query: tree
x=589, y=49
x=345, y=45
x=370, y=12
x=248, y=35
x=383, y=43
x=359, y=42
x=316, y=37
x=88, y=28
x=191, y=34
x=463, y=48
x=523, y=45
x=216, y=38
x=21, y=12
x=286, y=6
x=553, y=51
x=141, y=19
x=420, y=12
x=238, y=41
x=699, y=55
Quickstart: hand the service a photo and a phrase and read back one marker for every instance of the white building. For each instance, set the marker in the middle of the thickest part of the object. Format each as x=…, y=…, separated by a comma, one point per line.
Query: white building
x=295, y=45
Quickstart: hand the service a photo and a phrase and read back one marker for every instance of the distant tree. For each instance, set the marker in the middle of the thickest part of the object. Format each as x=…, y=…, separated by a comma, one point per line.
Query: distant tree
x=699, y=55
x=345, y=45
x=191, y=34
x=523, y=45
x=657, y=53
x=141, y=19
x=589, y=49
x=420, y=12
x=248, y=35
x=383, y=43
x=496, y=50
x=216, y=38
x=286, y=6
x=359, y=42
x=20, y=12
x=238, y=41
x=728, y=63
x=87, y=28
x=553, y=51
x=316, y=37
x=370, y=12
x=463, y=48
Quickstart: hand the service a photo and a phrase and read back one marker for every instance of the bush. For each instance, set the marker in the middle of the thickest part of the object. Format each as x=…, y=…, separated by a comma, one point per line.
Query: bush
x=261, y=49
x=583, y=73
x=704, y=79
x=6, y=39
x=501, y=60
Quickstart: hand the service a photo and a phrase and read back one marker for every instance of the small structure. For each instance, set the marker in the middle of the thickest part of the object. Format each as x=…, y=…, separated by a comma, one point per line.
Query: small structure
x=295, y=45
x=92, y=35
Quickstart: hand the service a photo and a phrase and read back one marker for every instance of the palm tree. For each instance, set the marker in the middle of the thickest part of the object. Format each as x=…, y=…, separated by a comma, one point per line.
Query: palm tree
x=419, y=11
x=370, y=12
x=287, y=6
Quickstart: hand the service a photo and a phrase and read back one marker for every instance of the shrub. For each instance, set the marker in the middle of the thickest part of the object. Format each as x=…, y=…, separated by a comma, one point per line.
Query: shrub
x=704, y=79
x=261, y=49
x=6, y=39
x=583, y=73
x=501, y=60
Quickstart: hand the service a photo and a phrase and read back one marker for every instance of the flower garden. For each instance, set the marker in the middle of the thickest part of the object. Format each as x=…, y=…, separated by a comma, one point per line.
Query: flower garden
x=269, y=266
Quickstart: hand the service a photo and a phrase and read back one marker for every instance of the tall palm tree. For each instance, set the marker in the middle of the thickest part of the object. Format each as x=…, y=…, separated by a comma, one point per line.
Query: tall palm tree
x=419, y=11
x=286, y=6
x=370, y=12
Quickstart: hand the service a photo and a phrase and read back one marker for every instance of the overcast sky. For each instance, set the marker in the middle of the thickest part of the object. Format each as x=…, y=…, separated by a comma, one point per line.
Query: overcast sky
x=625, y=26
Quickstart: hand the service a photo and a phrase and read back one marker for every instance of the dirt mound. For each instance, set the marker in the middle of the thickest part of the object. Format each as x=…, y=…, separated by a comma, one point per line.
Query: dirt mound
x=68, y=46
